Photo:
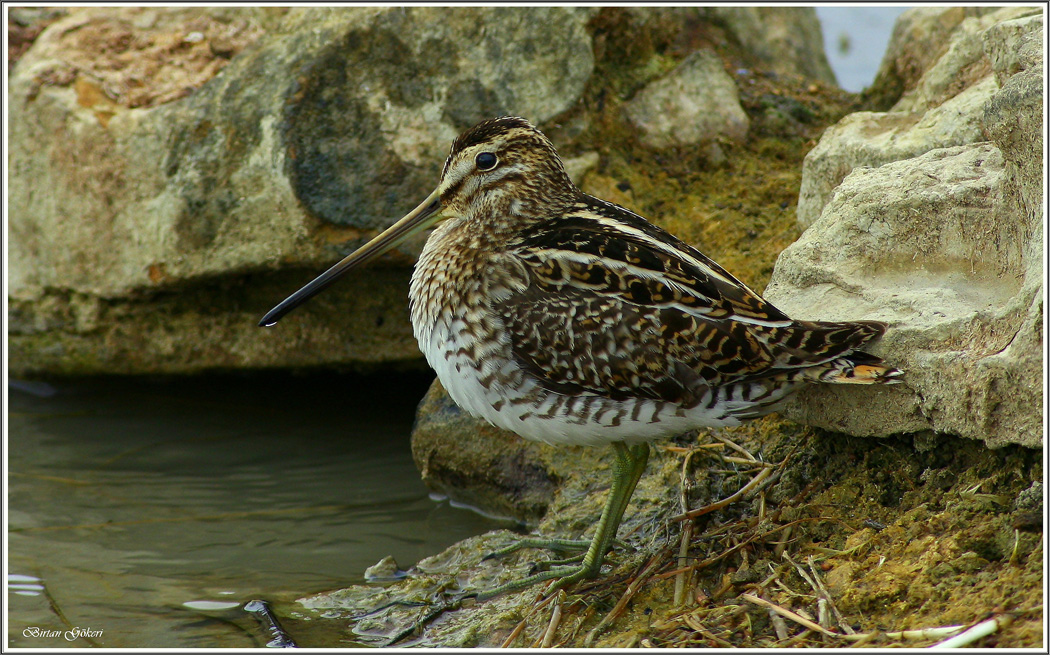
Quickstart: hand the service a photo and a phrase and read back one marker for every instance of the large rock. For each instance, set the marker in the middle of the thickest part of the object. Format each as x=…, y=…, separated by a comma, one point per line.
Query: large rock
x=787, y=40
x=946, y=246
x=944, y=108
x=920, y=38
x=176, y=172
x=694, y=103
x=136, y=234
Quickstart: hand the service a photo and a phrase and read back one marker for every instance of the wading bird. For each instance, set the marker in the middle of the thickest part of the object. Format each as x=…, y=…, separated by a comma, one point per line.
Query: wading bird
x=568, y=319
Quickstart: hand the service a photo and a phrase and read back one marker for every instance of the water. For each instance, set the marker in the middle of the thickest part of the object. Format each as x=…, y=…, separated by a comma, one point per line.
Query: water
x=855, y=39
x=146, y=513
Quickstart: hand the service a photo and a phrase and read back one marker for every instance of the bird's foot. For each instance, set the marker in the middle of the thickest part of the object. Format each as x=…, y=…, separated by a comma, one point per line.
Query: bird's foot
x=547, y=565
x=563, y=571
x=562, y=577
x=557, y=545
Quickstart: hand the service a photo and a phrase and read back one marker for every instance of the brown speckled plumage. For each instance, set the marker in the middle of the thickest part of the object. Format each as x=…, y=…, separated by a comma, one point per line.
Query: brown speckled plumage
x=571, y=320
x=536, y=302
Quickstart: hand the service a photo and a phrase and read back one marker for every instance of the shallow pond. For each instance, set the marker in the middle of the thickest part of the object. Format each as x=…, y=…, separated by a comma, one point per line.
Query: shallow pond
x=147, y=512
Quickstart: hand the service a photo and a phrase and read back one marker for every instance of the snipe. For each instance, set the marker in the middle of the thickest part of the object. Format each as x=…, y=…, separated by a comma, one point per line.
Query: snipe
x=571, y=320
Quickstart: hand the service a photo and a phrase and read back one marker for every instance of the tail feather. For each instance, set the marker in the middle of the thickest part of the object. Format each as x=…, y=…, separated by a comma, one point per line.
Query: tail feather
x=829, y=352
x=869, y=374
x=805, y=344
x=858, y=367
x=808, y=351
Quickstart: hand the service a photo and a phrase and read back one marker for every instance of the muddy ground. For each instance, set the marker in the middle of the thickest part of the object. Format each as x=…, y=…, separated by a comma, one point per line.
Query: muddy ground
x=859, y=536
x=904, y=533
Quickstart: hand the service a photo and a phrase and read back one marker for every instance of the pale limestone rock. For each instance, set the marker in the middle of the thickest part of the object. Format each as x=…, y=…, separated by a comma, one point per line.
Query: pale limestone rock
x=946, y=245
x=935, y=247
x=694, y=103
x=944, y=108
x=150, y=207
x=177, y=171
x=920, y=37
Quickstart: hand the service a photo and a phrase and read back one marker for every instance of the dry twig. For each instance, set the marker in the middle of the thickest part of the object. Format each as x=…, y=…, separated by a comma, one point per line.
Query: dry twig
x=513, y=634
x=823, y=591
x=755, y=481
x=521, y=625
x=693, y=623
x=740, y=449
x=788, y=614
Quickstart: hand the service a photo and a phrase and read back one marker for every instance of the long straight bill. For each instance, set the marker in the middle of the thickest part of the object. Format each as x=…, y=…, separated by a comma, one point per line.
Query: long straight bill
x=417, y=220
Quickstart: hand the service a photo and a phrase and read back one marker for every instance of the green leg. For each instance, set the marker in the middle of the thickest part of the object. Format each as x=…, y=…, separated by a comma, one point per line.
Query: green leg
x=630, y=463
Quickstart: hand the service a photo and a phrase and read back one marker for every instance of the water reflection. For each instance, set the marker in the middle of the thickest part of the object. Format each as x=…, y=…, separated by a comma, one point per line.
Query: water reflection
x=130, y=499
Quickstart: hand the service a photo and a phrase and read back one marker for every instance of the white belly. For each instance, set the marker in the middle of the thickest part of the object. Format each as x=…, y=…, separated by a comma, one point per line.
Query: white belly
x=495, y=388
x=465, y=342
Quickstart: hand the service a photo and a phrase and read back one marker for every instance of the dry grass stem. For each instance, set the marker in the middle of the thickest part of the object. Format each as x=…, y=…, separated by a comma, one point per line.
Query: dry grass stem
x=694, y=447
x=552, y=627
x=672, y=573
x=755, y=481
x=982, y=629
x=694, y=623
x=802, y=572
x=841, y=620
x=1017, y=543
x=783, y=542
x=802, y=611
x=862, y=640
x=788, y=614
x=686, y=573
x=513, y=634
x=751, y=462
x=684, y=485
x=740, y=449
x=779, y=625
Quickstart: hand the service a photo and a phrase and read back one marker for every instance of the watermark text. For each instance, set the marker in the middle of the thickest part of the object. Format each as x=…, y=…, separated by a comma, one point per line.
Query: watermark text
x=69, y=635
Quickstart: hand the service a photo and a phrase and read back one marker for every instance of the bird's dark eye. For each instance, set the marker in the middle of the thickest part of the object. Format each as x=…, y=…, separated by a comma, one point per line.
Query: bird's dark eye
x=486, y=161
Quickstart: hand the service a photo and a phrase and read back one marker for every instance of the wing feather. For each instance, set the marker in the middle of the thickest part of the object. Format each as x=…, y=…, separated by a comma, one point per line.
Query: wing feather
x=614, y=305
